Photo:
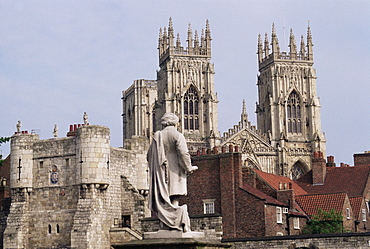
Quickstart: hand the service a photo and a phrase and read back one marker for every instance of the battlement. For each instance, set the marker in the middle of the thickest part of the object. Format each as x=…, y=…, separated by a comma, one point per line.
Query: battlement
x=195, y=46
x=265, y=57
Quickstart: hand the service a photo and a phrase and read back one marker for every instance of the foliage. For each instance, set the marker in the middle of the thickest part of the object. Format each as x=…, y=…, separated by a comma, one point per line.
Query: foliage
x=325, y=222
x=3, y=140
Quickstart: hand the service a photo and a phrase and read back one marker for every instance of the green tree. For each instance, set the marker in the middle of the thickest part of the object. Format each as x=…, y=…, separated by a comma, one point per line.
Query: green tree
x=3, y=140
x=325, y=222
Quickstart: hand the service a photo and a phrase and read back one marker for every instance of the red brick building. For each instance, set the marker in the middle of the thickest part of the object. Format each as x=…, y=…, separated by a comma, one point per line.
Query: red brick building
x=327, y=180
x=253, y=203
x=220, y=186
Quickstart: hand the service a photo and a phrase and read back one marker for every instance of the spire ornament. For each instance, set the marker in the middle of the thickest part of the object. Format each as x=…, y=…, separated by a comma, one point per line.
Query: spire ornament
x=309, y=43
x=292, y=46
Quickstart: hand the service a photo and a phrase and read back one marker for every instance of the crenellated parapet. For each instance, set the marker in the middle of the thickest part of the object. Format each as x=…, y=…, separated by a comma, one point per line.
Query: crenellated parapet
x=199, y=46
x=265, y=57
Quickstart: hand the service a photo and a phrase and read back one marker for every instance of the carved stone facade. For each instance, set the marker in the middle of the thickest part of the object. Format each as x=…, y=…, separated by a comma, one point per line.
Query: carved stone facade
x=184, y=85
x=288, y=108
x=288, y=111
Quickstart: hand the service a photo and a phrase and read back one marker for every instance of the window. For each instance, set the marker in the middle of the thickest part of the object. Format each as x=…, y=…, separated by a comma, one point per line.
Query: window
x=209, y=206
x=57, y=228
x=49, y=228
x=348, y=214
x=67, y=162
x=294, y=113
x=279, y=215
x=363, y=214
x=191, y=110
x=126, y=221
x=296, y=223
x=296, y=171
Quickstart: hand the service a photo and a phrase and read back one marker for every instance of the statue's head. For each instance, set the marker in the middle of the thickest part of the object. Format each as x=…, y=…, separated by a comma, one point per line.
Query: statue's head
x=169, y=119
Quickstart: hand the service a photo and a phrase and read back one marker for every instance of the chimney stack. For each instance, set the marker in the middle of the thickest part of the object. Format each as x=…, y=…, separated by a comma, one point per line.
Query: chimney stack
x=318, y=168
x=330, y=162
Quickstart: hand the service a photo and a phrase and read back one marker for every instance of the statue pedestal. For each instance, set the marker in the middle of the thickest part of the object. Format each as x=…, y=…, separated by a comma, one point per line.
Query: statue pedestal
x=172, y=234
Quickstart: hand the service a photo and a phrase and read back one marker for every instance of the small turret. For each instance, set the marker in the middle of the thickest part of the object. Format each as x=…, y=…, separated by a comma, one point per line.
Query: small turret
x=208, y=38
x=309, y=44
x=93, y=151
x=244, y=115
x=189, y=40
x=171, y=36
x=21, y=160
x=259, y=48
x=178, y=41
x=266, y=47
x=292, y=46
x=196, y=39
x=275, y=42
x=160, y=41
x=302, y=52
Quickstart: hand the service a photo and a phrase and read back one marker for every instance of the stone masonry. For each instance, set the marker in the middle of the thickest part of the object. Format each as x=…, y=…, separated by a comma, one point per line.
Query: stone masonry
x=70, y=192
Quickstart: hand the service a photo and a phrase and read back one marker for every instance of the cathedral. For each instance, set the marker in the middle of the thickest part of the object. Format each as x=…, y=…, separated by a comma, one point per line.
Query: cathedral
x=288, y=129
x=78, y=191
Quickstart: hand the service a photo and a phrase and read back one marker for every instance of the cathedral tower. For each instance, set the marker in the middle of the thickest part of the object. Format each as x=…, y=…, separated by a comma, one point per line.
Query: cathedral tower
x=288, y=108
x=185, y=84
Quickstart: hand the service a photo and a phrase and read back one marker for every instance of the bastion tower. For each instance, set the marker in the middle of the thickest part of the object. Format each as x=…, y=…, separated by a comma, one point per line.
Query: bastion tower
x=186, y=85
x=288, y=108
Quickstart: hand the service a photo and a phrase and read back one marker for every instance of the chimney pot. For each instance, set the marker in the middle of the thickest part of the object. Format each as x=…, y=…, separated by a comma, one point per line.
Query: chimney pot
x=223, y=149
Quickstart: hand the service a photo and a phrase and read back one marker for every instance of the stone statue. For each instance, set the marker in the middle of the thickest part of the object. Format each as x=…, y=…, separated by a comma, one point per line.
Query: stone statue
x=55, y=131
x=169, y=165
x=86, y=118
x=19, y=125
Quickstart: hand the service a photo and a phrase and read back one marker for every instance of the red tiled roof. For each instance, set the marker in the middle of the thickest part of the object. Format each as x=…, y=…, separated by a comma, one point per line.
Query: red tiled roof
x=338, y=179
x=312, y=203
x=356, y=206
x=268, y=199
x=274, y=180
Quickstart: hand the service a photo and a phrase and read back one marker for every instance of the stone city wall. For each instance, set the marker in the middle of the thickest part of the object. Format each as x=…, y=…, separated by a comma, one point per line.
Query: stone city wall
x=319, y=241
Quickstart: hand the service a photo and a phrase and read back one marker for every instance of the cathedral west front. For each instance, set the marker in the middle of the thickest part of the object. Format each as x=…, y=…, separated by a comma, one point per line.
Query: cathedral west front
x=288, y=129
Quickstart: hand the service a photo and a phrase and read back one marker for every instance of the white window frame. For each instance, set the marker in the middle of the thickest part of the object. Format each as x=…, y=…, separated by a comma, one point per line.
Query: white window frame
x=296, y=223
x=348, y=214
x=279, y=215
x=285, y=210
x=209, y=206
x=363, y=214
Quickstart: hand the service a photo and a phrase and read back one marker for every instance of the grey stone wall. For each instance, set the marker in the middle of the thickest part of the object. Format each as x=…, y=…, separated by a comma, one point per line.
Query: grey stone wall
x=71, y=192
x=320, y=241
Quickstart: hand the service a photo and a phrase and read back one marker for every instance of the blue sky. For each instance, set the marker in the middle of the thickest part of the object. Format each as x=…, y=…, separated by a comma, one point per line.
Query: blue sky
x=59, y=59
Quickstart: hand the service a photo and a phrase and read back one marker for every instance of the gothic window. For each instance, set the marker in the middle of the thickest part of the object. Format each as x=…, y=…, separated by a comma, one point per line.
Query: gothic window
x=191, y=111
x=294, y=113
x=296, y=171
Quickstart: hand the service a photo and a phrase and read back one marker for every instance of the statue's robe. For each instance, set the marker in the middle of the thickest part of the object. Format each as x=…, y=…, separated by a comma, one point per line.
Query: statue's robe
x=169, y=163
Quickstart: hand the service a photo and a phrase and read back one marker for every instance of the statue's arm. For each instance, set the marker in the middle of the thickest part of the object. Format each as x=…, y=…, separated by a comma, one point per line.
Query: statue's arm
x=183, y=153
